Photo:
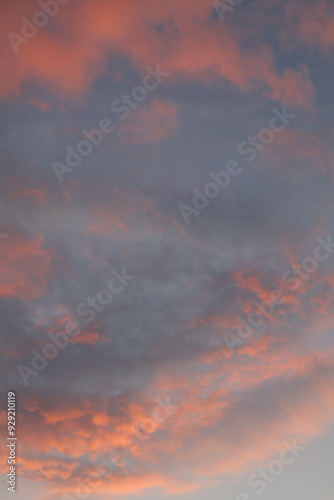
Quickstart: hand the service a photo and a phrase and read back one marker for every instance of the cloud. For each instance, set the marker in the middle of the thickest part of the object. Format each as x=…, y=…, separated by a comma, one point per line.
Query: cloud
x=25, y=267
x=66, y=61
x=163, y=336
x=309, y=24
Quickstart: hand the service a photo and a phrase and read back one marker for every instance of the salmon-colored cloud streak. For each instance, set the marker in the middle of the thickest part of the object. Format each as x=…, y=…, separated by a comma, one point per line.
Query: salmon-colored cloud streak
x=66, y=59
x=25, y=267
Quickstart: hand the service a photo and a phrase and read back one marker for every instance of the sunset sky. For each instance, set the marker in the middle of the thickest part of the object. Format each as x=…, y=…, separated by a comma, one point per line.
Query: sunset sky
x=167, y=227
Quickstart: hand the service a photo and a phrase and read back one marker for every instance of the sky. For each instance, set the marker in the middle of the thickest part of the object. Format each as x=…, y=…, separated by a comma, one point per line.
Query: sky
x=167, y=249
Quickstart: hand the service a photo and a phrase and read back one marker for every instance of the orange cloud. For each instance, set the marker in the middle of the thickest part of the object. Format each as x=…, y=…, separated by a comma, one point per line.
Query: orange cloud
x=290, y=146
x=179, y=36
x=24, y=268
x=309, y=24
x=194, y=435
x=18, y=190
x=89, y=338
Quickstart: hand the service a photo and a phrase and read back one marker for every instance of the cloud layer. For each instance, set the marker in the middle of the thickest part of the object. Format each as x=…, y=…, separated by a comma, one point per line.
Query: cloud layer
x=163, y=337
